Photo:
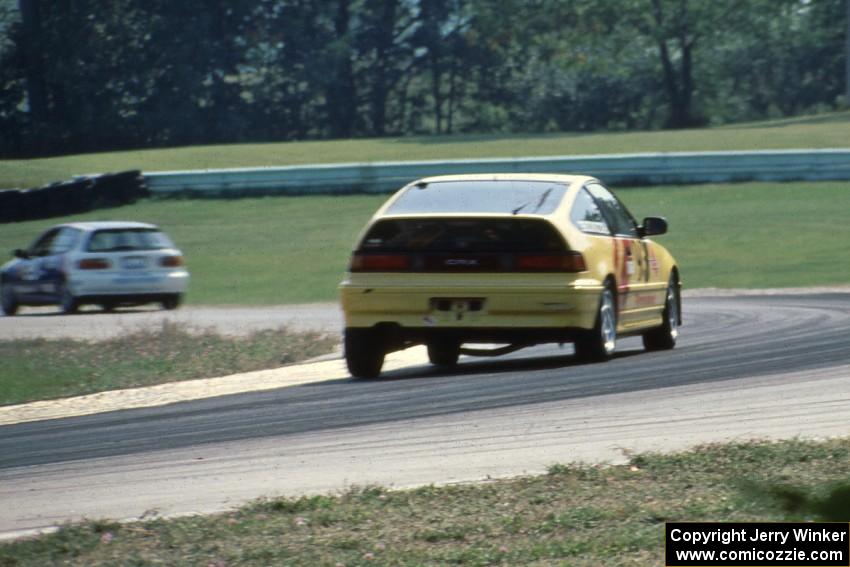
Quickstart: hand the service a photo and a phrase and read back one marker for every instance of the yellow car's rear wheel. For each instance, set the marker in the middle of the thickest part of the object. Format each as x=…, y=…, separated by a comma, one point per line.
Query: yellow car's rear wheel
x=599, y=343
x=443, y=352
x=364, y=353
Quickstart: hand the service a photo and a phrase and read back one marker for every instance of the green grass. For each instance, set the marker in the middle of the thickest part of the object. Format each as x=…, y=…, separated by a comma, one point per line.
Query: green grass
x=823, y=131
x=753, y=235
x=583, y=516
x=39, y=369
x=277, y=250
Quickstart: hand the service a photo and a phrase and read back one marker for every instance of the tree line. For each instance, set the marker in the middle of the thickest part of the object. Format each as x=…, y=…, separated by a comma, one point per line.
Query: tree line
x=86, y=75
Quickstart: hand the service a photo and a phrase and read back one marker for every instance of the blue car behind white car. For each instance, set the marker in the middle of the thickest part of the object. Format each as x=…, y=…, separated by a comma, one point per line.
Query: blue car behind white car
x=110, y=264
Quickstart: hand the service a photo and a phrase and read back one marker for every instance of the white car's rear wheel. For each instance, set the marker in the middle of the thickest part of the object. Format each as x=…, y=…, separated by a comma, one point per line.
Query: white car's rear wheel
x=172, y=302
x=8, y=301
x=67, y=302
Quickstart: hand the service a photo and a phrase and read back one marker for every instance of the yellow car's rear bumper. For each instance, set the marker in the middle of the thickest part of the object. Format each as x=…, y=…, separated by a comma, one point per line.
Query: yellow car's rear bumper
x=555, y=305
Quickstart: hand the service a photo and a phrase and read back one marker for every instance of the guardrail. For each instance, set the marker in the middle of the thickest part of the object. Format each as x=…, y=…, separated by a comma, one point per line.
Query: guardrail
x=615, y=169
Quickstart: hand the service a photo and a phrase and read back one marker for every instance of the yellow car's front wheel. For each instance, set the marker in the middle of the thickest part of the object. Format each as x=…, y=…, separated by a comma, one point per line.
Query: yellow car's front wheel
x=664, y=337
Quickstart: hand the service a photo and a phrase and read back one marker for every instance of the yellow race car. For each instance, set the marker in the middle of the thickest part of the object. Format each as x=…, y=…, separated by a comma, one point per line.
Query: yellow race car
x=510, y=259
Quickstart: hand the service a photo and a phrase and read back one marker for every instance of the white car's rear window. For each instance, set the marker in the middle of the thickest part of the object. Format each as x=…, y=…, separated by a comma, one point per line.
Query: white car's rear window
x=126, y=239
x=486, y=197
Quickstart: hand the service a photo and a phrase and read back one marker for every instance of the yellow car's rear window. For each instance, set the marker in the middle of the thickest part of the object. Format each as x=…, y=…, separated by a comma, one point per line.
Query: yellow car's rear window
x=508, y=197
x=463, y=235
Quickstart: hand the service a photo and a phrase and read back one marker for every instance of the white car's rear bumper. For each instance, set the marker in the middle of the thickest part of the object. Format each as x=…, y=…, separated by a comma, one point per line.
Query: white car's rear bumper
x=154, y=283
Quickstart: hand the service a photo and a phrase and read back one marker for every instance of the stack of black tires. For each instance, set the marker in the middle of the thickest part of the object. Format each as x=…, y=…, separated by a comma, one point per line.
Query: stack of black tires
x=78, y=195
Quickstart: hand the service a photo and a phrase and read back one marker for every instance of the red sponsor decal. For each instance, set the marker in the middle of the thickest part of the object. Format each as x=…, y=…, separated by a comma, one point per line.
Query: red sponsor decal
x=653, y=262
x=621, y=258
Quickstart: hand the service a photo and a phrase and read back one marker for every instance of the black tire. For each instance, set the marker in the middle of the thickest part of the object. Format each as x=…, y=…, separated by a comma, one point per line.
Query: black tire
x=171, y=302
x=68, y=303
x=599, y=344
x=444, y=352
x=364, y=353
x=107, y=307
x=8, y=301
x=664, y=337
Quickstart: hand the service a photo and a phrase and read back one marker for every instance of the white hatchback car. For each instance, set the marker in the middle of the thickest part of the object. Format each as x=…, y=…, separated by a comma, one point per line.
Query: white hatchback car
x=109, y=264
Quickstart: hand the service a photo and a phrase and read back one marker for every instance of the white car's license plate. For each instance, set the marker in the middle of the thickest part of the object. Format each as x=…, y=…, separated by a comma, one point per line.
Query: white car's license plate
x=134, y=263
x=136, y=279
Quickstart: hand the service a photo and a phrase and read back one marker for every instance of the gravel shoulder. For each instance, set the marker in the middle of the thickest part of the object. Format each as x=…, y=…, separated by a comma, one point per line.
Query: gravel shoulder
x=92, y=324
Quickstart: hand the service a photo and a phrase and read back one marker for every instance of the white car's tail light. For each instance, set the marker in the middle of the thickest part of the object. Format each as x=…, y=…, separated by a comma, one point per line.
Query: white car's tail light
x=171, y=261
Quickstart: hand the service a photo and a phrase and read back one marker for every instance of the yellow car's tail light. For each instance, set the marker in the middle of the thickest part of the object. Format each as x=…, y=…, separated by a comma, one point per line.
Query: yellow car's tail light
x=93, y=264
x=566, y=262
x=379, y=262
x=522, y=262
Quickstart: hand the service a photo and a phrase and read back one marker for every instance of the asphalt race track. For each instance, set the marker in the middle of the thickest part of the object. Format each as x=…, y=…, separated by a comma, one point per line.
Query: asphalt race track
x=771, y=366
